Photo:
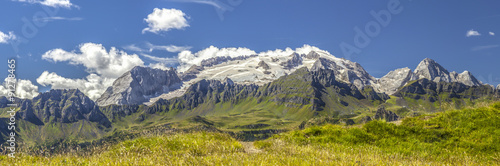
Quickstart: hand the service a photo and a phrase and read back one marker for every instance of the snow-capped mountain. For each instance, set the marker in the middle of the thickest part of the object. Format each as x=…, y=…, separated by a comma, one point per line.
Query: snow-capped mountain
x=263, y=68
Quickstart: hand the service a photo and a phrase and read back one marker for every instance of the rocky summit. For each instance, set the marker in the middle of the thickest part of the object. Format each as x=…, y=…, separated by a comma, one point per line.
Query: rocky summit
x=391, y=82
x=140, y=84
x=426, y=69
x=431, y=70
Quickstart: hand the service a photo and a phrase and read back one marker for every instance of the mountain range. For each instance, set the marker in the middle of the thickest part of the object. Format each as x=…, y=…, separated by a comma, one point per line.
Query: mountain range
x=249, y=94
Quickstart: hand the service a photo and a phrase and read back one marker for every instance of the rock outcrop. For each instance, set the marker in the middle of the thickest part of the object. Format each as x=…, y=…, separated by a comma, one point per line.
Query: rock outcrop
x=388, y=116
x=264, y=65
x=312, y=55
x=191, y=73
x=294, y=61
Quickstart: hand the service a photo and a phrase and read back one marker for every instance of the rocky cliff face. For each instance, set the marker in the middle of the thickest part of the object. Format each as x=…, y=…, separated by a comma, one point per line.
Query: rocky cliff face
x=64, y=106
x=431, y=70
x=465, y=78
x=391, y=82
x=140, y=84
x=213, y=91
x=191, y=73
x=345, y=71
x=434, y=91
x=312, y=55
x=294, y=61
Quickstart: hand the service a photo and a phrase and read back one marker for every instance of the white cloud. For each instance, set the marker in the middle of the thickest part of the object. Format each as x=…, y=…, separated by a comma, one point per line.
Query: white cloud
x=135, y=48
x=165, y=20
x=187, y=58
x=492, y=33
x=24, y=89
x=92, y=86
x=479, y=48
x=51, y=3
x=162, y=60
x=6, y=38
x=472, y=32
x=96, y=59
x=48, y=19
x=103, y=67
x=151, y=47
x=216, y=4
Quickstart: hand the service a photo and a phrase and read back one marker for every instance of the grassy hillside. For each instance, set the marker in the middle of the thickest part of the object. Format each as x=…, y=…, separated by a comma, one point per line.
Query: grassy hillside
x=460, y=137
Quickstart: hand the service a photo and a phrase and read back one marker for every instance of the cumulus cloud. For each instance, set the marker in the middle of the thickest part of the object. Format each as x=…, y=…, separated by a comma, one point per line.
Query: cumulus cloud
x=24, y=89
x=96, y=58
x=492, y=33
x=165, y=20
x=188, y=58
x=6, y=38
x=103, y=67
x=92, y=86
x=472, y=32
x=51, y=3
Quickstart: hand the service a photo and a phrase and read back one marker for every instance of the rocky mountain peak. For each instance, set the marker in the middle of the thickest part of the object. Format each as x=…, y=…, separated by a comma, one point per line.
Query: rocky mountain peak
x=228, y=81
x=312, y=55
x=466, y=78
x=66, y=106
x=431, y=70
x=140, y=84
x=390, y=83
x=264, y=65
x=191, y=73
x=293, y=62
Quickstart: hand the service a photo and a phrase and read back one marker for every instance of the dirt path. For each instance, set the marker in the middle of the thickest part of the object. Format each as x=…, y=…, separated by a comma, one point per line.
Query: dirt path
x=249, y=148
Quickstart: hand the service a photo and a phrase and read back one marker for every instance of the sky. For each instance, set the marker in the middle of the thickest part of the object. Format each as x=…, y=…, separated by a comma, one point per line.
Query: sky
x=86, y=44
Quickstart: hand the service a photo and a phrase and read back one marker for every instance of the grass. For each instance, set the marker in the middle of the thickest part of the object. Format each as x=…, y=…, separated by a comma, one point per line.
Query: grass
x=459, y=137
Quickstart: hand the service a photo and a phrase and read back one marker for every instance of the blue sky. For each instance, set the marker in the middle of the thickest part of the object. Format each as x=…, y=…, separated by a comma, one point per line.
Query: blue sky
x=433, y=29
